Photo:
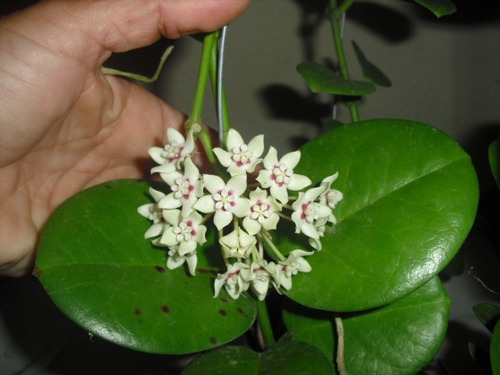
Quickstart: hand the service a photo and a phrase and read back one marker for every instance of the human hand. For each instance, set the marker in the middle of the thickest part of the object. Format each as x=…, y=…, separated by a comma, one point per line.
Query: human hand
x=64, y=125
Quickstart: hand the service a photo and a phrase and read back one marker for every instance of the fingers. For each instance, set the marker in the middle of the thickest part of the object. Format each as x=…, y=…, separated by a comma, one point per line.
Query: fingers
x=122, y=25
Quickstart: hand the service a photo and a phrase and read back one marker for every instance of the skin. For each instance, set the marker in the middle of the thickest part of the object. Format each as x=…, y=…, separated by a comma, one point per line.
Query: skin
x=64, y=126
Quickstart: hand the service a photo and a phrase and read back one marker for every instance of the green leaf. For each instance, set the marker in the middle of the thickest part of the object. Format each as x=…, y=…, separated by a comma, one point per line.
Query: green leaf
x=100, y=271
x=284, y=358
x=494, y=159
x=410, y=198
x=370, y=71
x=495, y=350
x=438, y=7
x=322, y=79
x=400, y=338
x=487, y=313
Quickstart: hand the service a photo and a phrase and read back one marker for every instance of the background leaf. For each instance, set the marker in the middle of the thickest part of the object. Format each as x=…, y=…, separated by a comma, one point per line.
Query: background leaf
x=410, y=198
x=494, y=160
x=322, y=79
x=284, y=358
x=397, y=339
x=97, y=267
x=438, y=7
x=487, y=314
x=370, y=71
x=495, y=350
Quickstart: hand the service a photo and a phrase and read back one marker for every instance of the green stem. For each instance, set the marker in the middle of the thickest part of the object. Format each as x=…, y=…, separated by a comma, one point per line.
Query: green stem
x=201, y=86
x=226, y=125
x=343, y=7
x=339, y=49
x=271, y=244
x=265, y=324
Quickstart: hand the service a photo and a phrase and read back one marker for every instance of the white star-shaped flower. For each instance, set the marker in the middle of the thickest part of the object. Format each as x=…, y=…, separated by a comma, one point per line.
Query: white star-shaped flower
x=237, y=244
x=235, y=280
x=263, y=212
x=331, y=197
x=176, y=149
x=279, y=175
x=154, y=213
x=186, y=189
x=184, y=232
x=283, y=271
x=176, y=260
x=306, y=212
x=240, y=157
x=260, y=279
x=224, y=199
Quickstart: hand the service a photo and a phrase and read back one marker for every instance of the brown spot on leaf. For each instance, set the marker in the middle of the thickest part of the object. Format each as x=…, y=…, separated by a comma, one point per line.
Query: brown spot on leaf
x=204, y=271
x=160, y=269
x=165, y=309
x=213, y=340
x=223, y=312
x=138, y=312
x=223, y=299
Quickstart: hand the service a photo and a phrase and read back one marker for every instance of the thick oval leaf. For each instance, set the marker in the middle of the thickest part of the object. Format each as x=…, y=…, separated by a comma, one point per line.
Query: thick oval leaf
x=494, y=160
x=495, y=350
x=321, y=79
x=439, y=7
x=400, y=338
x=284, y=358
x=370, y=71
x=410, y=198
x=488, y=314
x=97, y=267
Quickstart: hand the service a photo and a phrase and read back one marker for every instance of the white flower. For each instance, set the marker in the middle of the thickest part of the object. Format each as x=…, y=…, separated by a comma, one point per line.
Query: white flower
x=260, y=279
x=224, y=199
x=176, y=260
x=307, y=212
x=279, y=175
x=237, y=244
x=175, y=150
x=184, y=232
x=154, y=213
x=283, y=271
x=235, y=280
x=263, y=212
x=240, y=157
x=330, y=197
x=186, y=189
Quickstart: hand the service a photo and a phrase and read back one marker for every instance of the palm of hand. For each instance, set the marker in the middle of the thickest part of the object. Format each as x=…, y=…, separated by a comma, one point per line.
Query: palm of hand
x=79, y=128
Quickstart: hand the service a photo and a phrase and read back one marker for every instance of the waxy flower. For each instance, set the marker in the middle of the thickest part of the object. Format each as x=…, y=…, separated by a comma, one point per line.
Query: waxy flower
x=263, y=212
x=240, y=157
x=260, y=279
x=184, y=232
x=330, y=197
x=176, y=149
x=224, y=199
x=154, y=213
x=283, y=271
x=237, y=244
x=235, y=280
x=176, y=260
x=307, y=212
x=278, y=175
x=186, y=189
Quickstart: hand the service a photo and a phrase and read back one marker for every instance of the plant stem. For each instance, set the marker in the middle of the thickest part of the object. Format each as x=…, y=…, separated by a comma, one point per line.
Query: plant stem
x=265, y=324
x=226, y=125
x=201, y=85
x=340, y=346
x=339, y=50
x=343, y=7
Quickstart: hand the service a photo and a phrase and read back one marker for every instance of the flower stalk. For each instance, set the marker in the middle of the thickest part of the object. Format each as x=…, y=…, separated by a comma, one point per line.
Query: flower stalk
x=336, y=13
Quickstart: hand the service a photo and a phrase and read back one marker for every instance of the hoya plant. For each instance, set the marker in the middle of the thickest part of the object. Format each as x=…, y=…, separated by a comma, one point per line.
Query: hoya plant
x=321, y=260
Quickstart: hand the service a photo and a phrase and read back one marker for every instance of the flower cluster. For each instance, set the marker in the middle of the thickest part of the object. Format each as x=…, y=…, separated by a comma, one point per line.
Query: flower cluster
x=245, y=206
